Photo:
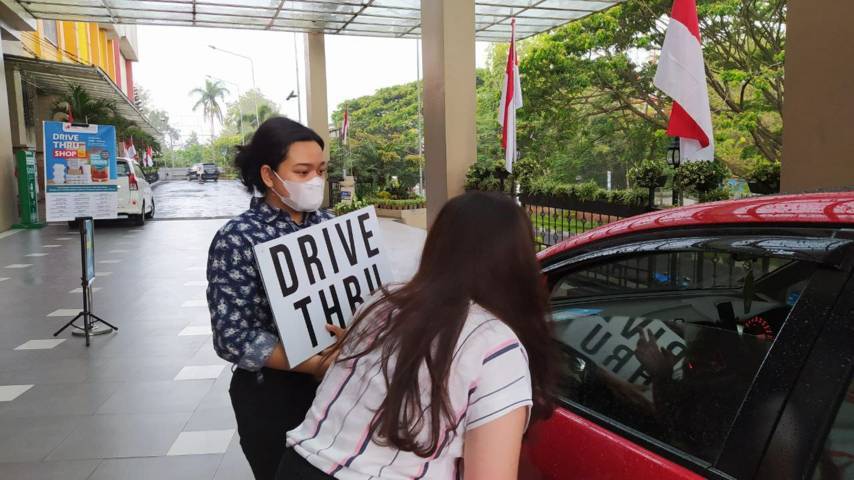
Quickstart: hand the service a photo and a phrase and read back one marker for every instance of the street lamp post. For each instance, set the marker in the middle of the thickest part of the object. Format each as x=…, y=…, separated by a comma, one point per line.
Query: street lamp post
x=674, y=159
x=252, y=69
x=239, y=106
x=299, y=92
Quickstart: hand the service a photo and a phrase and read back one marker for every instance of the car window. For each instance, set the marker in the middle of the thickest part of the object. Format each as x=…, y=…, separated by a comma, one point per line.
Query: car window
x=138, y=171
x=667, y=343
x=837, y=457
x=122, y=169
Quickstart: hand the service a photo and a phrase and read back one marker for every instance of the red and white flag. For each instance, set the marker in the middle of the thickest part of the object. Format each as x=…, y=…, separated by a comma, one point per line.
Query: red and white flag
x=130, y=150
x=149, y=156
x=682, y=76
x=345, y=127
x=511, y=100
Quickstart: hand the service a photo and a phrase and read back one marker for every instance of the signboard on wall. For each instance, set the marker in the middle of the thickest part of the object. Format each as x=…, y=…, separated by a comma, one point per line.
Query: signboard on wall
x=321, y=275
x=80, y=171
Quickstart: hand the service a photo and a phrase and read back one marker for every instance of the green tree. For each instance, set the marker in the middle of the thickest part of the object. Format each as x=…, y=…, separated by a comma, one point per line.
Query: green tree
x=208, y=98
x=83, y=107
x=240, y=115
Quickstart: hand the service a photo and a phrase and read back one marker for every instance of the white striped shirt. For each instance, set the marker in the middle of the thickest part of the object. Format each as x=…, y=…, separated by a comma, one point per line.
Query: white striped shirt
x=489, y=379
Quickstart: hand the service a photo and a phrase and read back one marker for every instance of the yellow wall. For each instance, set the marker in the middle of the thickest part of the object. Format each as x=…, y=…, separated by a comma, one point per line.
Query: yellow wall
x=78, y=42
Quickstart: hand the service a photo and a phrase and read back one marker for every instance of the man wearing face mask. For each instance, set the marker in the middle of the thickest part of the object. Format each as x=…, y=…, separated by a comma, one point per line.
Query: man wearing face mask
x=284, y=168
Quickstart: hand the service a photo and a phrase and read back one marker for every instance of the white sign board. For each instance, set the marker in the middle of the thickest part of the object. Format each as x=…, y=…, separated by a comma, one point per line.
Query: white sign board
x=80, y=171
x=610, y=342
x=321, y=275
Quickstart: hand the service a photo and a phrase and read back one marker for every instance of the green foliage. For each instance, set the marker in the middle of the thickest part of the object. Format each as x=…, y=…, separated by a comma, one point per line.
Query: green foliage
x=722, y=193
x=648, y=174
x=397, y=204
x=702, y=177
x=346, y=207
x=586, y=192
x=208, y=98
x=84, y=107
x=486, y=177
x=383, y=139
x=764, y=171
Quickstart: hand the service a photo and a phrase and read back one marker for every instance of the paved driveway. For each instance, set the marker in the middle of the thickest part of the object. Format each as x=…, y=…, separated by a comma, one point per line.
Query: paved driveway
x=148, y=402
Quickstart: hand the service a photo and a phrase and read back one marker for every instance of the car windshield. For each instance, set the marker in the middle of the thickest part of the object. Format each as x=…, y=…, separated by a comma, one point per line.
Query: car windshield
x=123, y=169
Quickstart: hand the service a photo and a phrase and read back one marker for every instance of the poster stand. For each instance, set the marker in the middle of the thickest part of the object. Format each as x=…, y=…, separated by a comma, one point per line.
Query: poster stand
x=87, y=252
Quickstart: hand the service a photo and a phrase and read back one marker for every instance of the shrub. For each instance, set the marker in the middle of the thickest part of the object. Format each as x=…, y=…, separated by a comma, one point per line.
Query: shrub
x=383, y=195
x=397, y=204
x=722, y=193
x=486, y=177
x=343, y=208
x=766, y=172
x=586, y=192
x=702, y=177
x=648, y=174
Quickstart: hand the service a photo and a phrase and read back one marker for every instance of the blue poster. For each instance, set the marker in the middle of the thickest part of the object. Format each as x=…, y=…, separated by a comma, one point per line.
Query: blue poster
x=80, y=166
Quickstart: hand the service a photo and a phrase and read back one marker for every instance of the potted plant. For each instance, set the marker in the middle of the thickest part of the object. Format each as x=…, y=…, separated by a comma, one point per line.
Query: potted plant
x=649, y=174
x=702, y=176
x=764, y=177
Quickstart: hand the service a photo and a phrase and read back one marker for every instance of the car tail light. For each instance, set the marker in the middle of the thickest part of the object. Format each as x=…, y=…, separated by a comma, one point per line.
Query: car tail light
x=132, y=183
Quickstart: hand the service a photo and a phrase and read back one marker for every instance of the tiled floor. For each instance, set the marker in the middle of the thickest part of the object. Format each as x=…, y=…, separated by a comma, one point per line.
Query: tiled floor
x=148, y=402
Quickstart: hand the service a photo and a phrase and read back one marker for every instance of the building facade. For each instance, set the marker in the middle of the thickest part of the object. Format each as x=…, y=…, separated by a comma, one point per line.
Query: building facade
x=41, y=58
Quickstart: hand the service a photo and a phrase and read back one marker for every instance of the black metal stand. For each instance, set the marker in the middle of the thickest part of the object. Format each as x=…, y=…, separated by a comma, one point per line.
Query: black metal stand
x=89, y=327
x=87, y=255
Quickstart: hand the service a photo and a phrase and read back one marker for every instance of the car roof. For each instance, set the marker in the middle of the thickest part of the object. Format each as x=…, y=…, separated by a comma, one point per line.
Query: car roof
x=812, y=208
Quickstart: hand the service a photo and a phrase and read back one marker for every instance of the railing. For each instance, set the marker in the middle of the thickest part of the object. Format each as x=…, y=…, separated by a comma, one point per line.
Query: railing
x=556, y=219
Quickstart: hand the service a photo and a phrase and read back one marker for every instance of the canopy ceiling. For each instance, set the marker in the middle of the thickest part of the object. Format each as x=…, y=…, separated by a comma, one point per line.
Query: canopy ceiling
x=55, y=78
x=370, y=18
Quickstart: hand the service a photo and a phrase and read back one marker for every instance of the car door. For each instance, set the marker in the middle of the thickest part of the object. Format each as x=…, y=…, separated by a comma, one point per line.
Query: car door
x=664, y=337
x=144, y=186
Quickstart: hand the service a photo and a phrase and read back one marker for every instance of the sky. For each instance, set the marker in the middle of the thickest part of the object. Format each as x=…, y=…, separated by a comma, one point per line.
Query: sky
x=175, y=60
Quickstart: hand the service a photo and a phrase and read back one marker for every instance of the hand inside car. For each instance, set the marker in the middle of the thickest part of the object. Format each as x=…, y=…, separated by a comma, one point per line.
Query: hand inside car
x=657, y=361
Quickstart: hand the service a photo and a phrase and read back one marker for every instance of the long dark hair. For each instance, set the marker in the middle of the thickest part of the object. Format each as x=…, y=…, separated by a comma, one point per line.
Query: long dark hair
x=479, y=249
x=269, y=146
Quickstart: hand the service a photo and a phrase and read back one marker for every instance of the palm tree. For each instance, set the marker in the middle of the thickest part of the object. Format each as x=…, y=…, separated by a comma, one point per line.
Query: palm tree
x=265, y=112
x=83, y=107
x=208, y=98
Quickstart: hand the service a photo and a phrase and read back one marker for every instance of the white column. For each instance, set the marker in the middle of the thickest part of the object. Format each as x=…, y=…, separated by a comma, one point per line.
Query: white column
x=448, y=47
x=315, y=82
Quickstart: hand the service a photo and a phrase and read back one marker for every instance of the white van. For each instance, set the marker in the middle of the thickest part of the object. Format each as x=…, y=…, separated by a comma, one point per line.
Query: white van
x=136, y=200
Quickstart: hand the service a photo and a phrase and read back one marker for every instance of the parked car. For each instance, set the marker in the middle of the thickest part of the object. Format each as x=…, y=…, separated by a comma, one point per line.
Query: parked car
x=136, y=199
x=193, y=172
x=203, y=172
x=711, y=341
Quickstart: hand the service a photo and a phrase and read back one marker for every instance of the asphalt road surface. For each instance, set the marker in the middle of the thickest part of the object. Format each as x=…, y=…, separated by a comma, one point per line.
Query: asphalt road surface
x=191, y=199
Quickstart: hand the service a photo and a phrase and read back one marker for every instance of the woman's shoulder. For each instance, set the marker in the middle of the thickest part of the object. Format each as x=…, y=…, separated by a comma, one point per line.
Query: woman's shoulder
x=484, y=331
x=234, y=232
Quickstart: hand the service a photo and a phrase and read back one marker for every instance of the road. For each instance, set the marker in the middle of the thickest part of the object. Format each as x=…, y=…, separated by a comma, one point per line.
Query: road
x=194, y=200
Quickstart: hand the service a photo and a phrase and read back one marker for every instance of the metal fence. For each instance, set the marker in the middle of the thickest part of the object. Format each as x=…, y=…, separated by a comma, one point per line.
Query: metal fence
x=556, y=219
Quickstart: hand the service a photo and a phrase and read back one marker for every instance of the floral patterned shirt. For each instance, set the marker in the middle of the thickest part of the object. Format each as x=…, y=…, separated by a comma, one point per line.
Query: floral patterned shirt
x=244, y=331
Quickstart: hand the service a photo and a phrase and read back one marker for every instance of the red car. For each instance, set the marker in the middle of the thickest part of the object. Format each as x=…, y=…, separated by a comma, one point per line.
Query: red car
x=710, y=341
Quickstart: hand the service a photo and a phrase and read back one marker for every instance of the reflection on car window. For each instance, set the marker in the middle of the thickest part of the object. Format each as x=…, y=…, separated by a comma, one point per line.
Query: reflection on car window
x=138, y=171
x=122, y=169
x=837, y=457
x=668, y=343
x=666, y=271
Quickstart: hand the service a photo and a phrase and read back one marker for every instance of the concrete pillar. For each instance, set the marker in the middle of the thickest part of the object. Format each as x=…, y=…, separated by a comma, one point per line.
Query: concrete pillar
x=315, y=82
x=818, y=114
x=15, y=91
x=8, y=202
x=448, y=48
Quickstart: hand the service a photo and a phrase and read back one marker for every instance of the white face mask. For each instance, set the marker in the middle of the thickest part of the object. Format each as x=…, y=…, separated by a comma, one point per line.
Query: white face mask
x=304, y=196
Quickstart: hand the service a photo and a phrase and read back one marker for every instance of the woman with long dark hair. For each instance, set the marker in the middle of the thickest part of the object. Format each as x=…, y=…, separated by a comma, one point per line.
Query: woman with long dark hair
x=440, y=377
x=284, y=167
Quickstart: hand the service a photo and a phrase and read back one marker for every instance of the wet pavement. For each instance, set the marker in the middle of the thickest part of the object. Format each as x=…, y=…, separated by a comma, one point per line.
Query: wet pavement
x=191, y=199
x=148, y=401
